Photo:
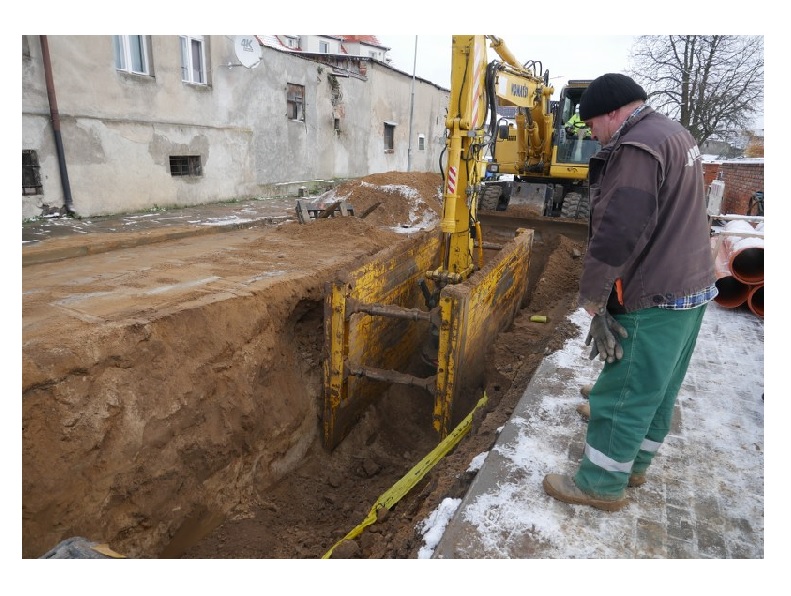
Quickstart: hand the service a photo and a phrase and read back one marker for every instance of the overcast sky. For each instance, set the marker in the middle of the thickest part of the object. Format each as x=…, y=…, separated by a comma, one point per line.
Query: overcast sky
x=565, y=56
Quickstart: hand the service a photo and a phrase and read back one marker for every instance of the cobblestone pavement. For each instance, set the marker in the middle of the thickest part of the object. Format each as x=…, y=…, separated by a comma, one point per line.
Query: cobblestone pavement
x=705, y=494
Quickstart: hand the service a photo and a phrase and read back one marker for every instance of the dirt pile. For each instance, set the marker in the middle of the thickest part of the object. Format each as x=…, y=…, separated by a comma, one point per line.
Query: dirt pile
x=392, y=199
x=171, y=392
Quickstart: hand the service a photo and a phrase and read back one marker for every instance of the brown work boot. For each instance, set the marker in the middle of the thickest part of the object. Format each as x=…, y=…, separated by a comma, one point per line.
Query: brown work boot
x=584, y=410
x=563, y=488
x=585, y=391
x=636, y=480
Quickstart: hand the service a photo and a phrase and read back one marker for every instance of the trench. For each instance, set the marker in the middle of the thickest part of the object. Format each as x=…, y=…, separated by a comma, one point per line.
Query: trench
x=312, y=508
x=327, y=493
x=218, y=455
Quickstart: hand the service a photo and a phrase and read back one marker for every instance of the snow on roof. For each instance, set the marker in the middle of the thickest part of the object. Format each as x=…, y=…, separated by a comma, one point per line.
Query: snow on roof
x=370, y=40
x=274, y=41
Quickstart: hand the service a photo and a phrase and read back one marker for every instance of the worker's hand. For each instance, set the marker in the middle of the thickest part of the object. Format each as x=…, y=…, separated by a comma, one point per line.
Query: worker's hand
x=602, y=335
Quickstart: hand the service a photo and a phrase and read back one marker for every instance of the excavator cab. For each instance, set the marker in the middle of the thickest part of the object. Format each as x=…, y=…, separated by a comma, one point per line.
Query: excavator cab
x=573, y=141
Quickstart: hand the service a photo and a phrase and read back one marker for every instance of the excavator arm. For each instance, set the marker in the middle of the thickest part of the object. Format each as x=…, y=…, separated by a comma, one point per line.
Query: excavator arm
x=476, y=90
x=465, y=162
x=373, y=327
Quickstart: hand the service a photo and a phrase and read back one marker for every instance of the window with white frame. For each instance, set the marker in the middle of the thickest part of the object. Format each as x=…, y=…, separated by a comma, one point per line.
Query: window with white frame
x=193, y=59
x=421, y=142
x=324, y=47
x=131, y=53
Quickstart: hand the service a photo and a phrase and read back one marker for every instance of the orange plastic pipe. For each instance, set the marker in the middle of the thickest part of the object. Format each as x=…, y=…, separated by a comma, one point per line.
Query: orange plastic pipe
x=755, y=300
x=745, y=254
x=732, y=292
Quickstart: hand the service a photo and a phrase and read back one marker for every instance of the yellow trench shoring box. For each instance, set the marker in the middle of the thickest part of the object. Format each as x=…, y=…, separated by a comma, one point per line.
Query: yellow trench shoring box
x=375, y=321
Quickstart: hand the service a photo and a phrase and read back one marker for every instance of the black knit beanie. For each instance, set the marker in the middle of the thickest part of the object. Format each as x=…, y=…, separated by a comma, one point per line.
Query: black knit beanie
x=607, y=93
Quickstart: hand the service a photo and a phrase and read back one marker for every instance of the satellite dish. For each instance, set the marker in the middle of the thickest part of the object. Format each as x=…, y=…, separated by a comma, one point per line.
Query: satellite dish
x=248, y=50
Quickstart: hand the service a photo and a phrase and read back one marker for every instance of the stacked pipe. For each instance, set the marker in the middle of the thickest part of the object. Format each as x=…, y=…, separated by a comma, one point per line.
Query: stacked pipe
x=739, y=265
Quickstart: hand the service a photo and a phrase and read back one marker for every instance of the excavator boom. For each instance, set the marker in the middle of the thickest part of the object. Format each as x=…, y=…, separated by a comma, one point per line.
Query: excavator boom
x=435, y=297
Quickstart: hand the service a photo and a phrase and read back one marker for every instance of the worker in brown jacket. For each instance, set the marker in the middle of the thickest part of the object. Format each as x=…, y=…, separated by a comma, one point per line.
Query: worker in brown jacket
x=647, y=276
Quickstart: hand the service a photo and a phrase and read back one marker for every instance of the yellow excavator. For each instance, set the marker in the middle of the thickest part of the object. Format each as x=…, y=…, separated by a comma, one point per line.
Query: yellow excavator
x=436, y=298
x=538, y=150
x=547, y=170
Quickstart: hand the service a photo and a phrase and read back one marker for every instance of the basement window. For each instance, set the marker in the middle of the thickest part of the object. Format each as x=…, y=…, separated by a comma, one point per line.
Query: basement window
x=389, y=136
x=31, y=176
x=295, y=102
x=185, y=165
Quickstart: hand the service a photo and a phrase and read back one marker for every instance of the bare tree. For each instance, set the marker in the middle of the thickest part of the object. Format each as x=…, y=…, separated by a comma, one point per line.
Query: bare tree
x=712, y=84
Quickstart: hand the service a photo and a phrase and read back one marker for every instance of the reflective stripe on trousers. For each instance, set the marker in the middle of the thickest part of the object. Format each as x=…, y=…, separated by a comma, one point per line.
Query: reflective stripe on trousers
x=632, y=400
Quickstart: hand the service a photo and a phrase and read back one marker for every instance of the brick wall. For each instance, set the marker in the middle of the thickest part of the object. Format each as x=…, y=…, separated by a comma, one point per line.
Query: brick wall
x=710, y=171
x=742, y=178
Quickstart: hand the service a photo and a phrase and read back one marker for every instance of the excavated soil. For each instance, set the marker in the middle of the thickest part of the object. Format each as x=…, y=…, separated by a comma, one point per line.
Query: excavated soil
x=206, y=415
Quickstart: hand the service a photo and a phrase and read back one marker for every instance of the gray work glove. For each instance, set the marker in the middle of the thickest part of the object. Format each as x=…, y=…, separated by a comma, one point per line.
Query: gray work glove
x=602, y=334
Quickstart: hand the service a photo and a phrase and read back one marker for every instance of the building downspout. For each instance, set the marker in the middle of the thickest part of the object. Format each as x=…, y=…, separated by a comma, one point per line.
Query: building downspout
x=411, y=111
x=53, y=110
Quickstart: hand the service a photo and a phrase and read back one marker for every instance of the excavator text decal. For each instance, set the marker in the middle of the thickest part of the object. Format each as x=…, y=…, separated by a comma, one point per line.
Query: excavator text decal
x=519, y=90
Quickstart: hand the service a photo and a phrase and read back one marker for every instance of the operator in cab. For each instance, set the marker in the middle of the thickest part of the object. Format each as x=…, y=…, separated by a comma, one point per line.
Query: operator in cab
x=575, y=126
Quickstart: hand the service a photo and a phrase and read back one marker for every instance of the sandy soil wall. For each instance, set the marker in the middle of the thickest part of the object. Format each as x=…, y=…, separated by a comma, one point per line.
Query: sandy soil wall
x=169, y=379
x=167, y=383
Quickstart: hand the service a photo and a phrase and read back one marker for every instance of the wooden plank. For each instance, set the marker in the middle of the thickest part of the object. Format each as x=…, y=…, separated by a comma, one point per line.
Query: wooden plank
x=303, y=213
x=328, y=211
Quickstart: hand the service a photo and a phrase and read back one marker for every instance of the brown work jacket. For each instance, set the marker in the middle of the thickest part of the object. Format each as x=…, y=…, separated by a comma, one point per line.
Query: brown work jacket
x=648, y=220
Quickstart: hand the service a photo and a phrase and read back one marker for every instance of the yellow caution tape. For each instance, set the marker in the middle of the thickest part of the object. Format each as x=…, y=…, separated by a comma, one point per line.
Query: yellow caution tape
x=104, y=549
x=396, y=492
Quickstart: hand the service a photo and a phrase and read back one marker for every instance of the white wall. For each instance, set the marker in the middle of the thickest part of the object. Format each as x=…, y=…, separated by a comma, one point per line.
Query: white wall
x=119, y=130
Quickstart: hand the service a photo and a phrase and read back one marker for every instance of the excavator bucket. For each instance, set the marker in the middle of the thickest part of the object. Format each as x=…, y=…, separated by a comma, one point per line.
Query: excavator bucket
x=533, y=197
x=374, y=328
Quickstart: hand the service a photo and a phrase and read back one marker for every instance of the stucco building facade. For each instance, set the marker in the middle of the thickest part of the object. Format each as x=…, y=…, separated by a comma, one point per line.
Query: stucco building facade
x=118, y=124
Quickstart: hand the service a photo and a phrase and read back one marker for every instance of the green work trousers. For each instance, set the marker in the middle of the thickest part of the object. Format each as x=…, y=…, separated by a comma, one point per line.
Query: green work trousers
x=632, y=401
